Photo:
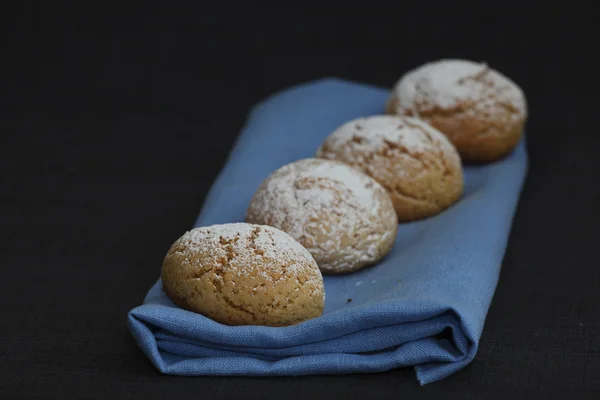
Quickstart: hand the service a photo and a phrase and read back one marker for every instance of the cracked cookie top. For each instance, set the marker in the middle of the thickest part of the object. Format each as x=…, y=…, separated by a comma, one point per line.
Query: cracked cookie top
x=414, y=162
x=343, y=217
x=451, y=84
x=241, y=274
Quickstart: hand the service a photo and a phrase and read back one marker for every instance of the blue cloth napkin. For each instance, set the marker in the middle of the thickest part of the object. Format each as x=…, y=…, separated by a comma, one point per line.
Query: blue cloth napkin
x=423, y=306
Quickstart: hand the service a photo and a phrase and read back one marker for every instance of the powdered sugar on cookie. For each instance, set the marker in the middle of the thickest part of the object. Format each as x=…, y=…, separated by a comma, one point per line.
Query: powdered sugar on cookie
x=327, y=206
x=447, y=84
x=243, y=243
x=371, y=134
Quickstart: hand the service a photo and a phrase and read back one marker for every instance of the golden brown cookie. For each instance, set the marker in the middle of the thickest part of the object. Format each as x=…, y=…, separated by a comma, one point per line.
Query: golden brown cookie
x=481, y=111
x=343, y=217
x=416, y=163
x=243, y=274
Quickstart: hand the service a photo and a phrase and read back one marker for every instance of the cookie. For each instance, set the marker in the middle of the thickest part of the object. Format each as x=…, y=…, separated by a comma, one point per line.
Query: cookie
x=481, y=111
x=343, y=217
x=243, y=274
x=416, y=163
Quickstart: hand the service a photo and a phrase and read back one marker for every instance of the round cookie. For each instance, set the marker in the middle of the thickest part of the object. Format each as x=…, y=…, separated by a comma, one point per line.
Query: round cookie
x=418, y=166
x=243, y=274
x=481, y=111
x=343, y=217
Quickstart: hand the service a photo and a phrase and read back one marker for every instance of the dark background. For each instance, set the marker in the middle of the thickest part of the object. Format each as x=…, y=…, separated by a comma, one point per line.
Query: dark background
x=115, y=121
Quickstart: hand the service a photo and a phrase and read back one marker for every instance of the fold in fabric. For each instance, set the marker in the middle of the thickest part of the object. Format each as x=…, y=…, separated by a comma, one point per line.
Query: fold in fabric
x=423, y=306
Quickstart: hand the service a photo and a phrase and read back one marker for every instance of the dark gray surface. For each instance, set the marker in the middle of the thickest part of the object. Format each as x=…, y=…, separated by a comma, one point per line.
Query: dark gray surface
x=115, y=122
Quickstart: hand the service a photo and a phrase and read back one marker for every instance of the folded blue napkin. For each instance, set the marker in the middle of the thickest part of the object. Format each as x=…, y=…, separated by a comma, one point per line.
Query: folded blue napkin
x=423, y=306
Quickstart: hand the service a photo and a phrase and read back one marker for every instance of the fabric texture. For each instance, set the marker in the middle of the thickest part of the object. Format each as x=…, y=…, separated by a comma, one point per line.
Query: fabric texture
x=424, y=305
